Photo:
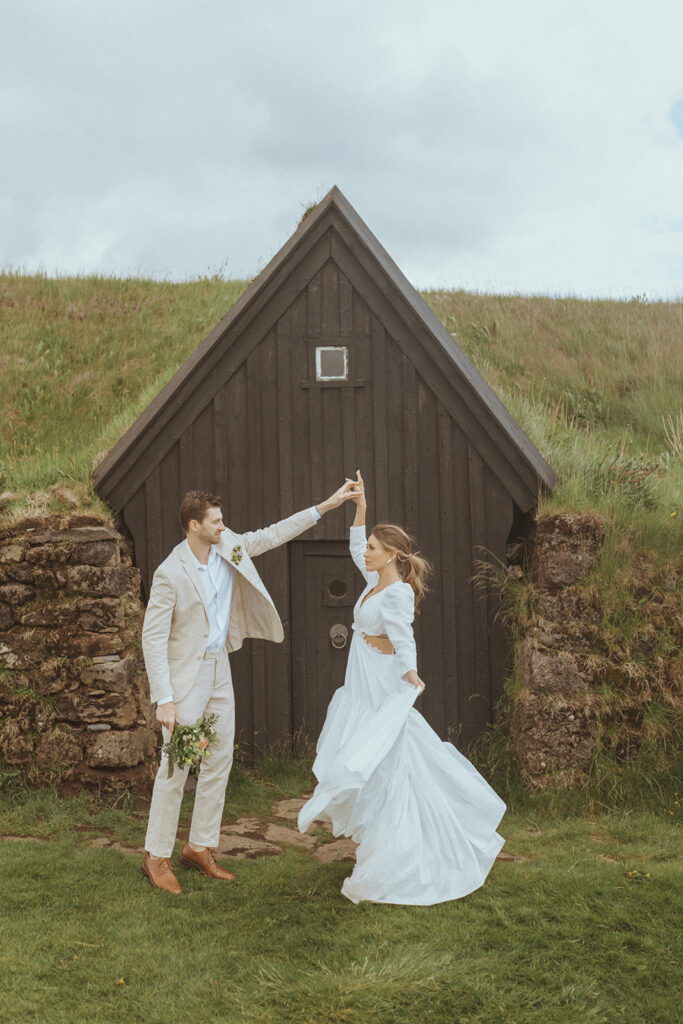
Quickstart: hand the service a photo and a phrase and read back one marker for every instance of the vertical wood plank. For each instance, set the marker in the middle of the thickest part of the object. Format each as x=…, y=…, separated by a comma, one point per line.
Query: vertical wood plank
x=240, y=665
x=396, y=434
x=426, y=487
x=254, y=484
x=362, y=320
x=153, y=517
x=284, y=414
x=314, y=306
x=315, y=448
x=278, y=669
x=258, y=689
x=298, y=623
x=345, y=306
x=203, y=450
x=236, y=514
x=378, y=388
x=269, y=507
x=330, y=301
x=169, y=485
x=331, y=444
x=346, y=330
x=410, y=454
x=465, y=631
x=220, y=443
x=499, y=515
x=479, y=609
x=236, y=509
x=349, y=452
x=300, y=424
x=187, y=469
x=313, y=397
x=274, y=565
x=445, y=586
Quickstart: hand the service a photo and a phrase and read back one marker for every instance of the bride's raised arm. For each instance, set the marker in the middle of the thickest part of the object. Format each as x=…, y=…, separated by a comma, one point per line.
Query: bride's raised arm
x=357, y=538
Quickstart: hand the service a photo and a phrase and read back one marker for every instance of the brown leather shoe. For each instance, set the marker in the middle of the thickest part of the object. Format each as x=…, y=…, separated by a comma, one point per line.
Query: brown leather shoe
x=204, y=861
x=160, y=874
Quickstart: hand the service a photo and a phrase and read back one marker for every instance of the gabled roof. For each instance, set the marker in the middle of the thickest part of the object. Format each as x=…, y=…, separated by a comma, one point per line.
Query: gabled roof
x=334, y=230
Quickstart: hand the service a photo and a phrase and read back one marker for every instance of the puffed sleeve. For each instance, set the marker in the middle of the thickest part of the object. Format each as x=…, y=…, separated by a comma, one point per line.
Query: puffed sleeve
x=398, y=612
x=357, y=546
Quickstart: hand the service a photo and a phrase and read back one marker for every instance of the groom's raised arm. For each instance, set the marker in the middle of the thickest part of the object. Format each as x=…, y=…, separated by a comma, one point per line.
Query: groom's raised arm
x=257, y=541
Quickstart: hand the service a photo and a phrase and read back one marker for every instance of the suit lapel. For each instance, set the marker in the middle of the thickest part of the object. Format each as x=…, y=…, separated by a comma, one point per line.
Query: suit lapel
x=191, y=570
x=225, y=548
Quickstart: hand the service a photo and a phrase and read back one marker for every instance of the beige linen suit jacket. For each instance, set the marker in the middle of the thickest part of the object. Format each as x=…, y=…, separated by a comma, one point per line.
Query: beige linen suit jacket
x=176, y=626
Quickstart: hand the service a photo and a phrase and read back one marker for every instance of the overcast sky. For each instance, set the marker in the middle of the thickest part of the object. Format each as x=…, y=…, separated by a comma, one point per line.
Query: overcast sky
x=531, y=146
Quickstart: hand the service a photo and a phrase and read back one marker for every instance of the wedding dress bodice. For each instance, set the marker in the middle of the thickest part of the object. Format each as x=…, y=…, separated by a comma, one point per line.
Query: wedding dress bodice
x=390, y=611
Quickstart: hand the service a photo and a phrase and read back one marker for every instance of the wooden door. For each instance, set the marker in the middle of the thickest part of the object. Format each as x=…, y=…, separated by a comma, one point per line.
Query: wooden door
x=325, y=586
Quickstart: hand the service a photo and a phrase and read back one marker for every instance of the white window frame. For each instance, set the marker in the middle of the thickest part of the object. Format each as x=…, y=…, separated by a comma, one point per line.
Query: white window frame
x=318, y=361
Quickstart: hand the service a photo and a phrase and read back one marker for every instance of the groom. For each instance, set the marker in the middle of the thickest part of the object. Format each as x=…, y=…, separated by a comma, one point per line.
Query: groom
x=206, y=597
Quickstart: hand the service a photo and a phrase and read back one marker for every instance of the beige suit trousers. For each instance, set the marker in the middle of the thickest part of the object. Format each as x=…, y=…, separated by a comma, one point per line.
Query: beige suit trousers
x=212, y=694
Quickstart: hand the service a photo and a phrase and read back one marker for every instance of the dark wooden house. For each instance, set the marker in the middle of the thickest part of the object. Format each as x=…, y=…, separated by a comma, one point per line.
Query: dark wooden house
x=330, y=361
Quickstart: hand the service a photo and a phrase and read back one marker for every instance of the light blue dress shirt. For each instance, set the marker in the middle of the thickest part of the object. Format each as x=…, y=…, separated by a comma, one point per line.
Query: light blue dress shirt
x=217, y=578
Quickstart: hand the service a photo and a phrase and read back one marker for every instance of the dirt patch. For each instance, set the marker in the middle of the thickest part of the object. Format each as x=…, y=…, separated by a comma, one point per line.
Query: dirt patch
x=23, y=839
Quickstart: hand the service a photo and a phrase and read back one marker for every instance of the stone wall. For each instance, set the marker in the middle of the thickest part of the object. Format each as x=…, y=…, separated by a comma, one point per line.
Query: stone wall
x=554, y=722
x=74, y=707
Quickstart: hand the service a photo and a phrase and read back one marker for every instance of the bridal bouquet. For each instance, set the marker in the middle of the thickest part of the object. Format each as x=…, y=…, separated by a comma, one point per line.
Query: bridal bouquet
x=190, y=743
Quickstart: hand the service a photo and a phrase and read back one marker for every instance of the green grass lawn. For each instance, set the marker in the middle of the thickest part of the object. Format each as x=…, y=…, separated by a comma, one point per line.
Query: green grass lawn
x=564, y=936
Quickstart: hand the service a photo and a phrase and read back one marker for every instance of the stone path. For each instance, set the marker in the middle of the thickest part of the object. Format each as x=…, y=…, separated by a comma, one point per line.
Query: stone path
x=250, y=838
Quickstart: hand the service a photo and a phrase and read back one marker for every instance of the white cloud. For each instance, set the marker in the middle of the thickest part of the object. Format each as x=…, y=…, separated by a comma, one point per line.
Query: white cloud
x=532, y=146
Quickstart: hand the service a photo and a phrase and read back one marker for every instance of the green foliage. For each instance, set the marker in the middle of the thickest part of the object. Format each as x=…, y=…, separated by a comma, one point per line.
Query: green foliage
x=597, y=386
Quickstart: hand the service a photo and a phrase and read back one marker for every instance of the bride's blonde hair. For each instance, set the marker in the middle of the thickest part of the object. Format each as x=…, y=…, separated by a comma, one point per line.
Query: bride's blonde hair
x=414, y=569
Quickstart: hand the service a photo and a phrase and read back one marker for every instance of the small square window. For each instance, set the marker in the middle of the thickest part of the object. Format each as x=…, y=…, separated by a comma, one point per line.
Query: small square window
x=332, y=363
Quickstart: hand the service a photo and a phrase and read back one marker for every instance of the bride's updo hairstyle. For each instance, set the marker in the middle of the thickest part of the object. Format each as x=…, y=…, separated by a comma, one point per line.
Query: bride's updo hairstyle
x=414, y=569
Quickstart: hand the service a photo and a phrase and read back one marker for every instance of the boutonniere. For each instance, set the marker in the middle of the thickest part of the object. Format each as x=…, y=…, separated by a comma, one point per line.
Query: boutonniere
x=236, y=556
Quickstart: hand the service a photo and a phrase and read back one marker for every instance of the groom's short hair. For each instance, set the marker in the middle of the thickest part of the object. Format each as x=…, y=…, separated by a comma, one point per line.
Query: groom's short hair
x=195, y=505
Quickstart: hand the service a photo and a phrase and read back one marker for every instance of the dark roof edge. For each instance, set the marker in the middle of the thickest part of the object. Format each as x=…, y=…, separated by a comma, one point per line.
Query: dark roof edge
x=147, y=416
x=521, y=441
x=334, y=198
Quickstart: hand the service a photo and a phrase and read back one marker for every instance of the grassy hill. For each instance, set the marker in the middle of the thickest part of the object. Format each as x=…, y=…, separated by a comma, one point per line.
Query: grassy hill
x=597, y=385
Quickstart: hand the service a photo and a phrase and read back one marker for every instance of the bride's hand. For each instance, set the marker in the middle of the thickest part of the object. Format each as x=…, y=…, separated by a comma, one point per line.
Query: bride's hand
x=358, y=495
x=414, y=680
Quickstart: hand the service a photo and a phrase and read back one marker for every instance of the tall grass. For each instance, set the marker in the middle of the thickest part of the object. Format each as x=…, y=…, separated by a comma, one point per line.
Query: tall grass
x=80, y=358
x=598, y=386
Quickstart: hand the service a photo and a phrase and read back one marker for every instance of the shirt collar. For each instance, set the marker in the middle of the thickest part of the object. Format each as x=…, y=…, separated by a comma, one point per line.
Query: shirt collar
x=213, y=555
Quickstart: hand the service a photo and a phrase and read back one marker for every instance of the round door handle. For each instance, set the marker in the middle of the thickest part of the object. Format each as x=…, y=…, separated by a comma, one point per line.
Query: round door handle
x=339, y=636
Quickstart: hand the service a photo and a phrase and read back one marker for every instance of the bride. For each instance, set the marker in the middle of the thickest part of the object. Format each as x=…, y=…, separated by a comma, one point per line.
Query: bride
x=423, y=817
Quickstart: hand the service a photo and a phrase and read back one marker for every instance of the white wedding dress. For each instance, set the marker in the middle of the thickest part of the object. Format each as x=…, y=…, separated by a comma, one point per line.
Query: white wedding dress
x=424, y=818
